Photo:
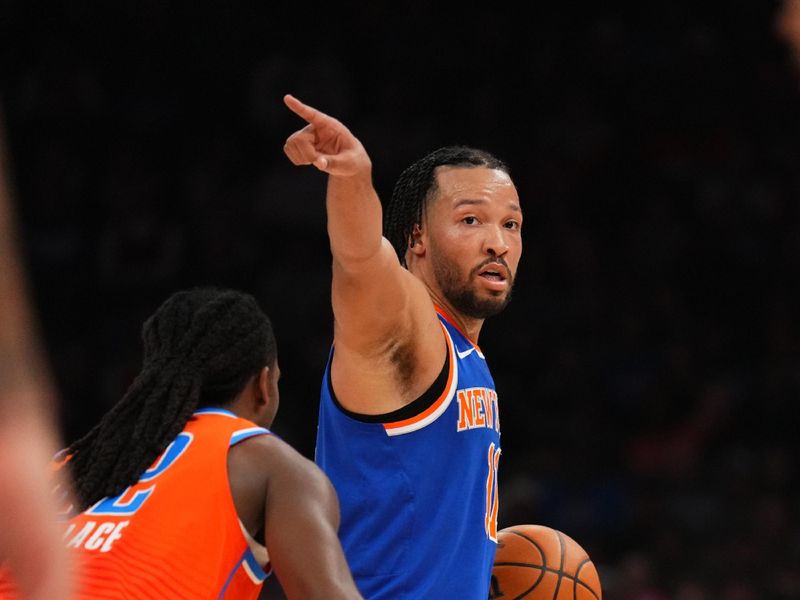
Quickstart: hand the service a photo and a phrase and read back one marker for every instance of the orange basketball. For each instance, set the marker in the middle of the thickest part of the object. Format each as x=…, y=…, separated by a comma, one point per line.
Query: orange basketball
x=535, y=562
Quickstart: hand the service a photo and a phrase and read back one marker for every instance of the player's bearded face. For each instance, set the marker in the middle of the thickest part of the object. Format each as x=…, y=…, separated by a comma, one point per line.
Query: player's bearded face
x=461, y=290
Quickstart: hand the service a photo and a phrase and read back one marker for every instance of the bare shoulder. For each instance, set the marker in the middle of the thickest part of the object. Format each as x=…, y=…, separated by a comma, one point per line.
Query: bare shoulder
x=269, y=451
x=268, y=457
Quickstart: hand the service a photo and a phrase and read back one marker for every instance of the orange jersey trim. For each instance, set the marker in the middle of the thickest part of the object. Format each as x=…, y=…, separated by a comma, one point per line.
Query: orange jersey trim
x=450, y=320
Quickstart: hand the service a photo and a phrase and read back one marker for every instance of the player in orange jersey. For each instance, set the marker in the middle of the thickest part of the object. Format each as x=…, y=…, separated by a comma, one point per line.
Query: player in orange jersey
x=180, y=490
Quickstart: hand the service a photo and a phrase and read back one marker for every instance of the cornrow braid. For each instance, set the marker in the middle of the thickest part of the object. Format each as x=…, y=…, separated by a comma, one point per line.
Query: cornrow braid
x=417, y=185
x=200, y=348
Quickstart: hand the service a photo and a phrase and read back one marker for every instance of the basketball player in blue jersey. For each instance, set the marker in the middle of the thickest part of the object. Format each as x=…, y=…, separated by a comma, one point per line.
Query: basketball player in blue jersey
x=409, y=429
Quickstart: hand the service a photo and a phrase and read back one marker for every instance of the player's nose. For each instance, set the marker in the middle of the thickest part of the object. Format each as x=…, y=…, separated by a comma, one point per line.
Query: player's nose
x=495, y=241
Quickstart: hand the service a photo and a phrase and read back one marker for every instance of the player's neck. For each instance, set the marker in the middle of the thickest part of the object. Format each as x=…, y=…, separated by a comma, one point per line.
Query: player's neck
x=469, y=326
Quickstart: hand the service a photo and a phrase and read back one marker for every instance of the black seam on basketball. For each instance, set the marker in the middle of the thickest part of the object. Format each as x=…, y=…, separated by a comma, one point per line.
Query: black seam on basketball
x=561, y=565
x=542, y=571
x=543, y=568
x=535, y=545
x=529, y=565
x=585, y=562
x=533, y=587
x=540, y=567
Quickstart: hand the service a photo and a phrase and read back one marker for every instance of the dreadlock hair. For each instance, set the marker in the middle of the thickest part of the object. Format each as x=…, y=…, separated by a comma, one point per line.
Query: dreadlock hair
x=200, y=348
x=417, y=185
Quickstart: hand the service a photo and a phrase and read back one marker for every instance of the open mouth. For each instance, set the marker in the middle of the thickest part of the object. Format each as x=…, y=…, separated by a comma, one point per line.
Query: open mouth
x=492, y=276
x=494, y=272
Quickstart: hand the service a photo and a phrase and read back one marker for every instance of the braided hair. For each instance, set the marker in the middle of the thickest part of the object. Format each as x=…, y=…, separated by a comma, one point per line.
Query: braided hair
x=417, y=185
x=200, y=348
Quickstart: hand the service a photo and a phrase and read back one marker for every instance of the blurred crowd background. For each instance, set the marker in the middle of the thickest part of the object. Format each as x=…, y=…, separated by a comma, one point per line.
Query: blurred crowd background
x=648, y=366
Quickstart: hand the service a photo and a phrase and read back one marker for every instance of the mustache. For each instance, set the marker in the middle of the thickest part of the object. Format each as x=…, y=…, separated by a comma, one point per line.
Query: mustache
x=493, y=259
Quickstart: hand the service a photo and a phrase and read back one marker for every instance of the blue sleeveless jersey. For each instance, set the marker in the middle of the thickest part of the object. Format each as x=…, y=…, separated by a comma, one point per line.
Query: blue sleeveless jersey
x=418, y=492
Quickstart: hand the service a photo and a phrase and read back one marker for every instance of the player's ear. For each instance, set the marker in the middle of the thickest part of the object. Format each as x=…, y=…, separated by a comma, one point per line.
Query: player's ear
x=262, y=383
x=416, y=243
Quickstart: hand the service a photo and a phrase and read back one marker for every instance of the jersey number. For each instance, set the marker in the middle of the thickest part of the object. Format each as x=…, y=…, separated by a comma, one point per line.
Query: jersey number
x=490, y=520
x=125, y=504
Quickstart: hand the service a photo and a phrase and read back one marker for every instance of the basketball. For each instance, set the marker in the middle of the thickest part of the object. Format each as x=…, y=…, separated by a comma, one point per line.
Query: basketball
x=535, y=562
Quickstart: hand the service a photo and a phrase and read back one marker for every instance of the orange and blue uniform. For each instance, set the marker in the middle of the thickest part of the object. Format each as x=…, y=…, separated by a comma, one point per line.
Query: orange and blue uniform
x=175, y=534
x=418, y=487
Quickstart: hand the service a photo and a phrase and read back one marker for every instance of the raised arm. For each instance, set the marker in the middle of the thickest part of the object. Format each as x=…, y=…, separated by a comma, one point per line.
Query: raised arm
x=373, y=295
x=386, y=329
x=354, y=210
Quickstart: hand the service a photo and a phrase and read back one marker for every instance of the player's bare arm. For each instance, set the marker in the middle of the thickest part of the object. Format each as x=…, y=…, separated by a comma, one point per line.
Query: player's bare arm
x=383, y=315
x=299, y=513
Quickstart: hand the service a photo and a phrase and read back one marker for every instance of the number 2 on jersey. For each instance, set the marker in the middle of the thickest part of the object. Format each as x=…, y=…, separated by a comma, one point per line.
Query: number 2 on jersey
x=124, y=504
x=490, y=520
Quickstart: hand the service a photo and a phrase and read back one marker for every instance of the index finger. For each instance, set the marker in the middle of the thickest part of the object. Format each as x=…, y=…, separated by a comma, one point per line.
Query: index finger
x=304, y=111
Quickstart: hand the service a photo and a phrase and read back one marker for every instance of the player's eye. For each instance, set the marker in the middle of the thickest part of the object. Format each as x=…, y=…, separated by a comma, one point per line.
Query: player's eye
x=470, y=220
x=514, y=225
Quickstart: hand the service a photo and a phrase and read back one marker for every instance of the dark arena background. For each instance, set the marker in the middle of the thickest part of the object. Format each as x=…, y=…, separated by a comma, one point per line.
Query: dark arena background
x=648, y=366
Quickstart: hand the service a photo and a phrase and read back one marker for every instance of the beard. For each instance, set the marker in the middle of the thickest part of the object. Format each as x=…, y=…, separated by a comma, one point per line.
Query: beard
x=462, y=295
